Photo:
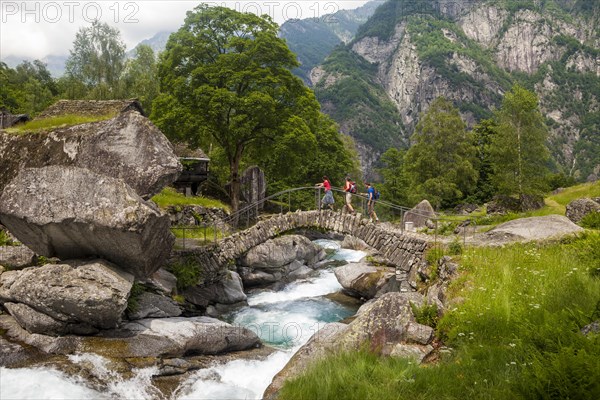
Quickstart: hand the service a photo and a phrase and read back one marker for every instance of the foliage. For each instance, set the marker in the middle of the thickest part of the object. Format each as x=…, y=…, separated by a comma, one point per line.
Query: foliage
x=396, y=181
x=235, y=68
x=140, y=77
x=61, y=121
x=591, y=221
x=170, y=197
x=455, y=247
x=187, y=272
x=518, y=150
x=427, y=314
x=440, y=162
x=134, y=294
x=27, y=89
x=483, y=134
x=514, y=334
x=5, y=240
x=97, y=59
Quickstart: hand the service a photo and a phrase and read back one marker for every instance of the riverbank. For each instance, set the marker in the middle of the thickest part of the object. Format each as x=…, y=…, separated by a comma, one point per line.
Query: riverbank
x=515, y=328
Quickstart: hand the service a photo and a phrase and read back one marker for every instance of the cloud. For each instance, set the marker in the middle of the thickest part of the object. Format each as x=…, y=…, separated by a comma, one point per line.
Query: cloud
x=35, y=29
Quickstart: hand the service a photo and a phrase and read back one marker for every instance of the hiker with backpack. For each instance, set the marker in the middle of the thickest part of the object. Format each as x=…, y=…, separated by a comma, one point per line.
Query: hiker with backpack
x=328, y=199
x=350, y=189
x=372, y=195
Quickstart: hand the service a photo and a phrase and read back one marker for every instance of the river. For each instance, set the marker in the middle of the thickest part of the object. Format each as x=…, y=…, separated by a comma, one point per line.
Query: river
x=285, y=320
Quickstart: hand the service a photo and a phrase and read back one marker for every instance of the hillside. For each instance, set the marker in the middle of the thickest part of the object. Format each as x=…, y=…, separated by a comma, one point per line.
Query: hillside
x=408, y=53
x=312, y=39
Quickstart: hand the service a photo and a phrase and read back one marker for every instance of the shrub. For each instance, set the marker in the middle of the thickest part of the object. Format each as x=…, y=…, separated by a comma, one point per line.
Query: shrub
x=455, y=247
x=136, y=291
x=187, y=272
x=591, y=221
x=426, y=314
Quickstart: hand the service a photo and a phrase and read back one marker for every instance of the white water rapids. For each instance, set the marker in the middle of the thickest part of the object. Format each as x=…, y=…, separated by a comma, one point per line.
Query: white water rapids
x=285, y=319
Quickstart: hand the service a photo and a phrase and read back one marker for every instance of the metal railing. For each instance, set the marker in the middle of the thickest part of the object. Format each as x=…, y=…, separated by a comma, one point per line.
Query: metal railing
x=295, y=199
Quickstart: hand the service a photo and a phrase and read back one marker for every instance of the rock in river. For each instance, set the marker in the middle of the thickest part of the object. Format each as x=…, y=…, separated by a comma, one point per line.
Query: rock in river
x=75, y=297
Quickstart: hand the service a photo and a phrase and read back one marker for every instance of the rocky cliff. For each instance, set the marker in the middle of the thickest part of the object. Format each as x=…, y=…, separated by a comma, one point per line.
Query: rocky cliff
x=409, y=53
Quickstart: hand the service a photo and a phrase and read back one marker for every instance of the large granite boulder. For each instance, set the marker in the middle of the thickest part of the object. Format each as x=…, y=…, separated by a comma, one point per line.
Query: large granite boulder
x=281, y=251
x=385, y=322
x=127, y=146
x=318, y=347
x=75, y=297
x=187, y=336
x=227, y=291
x=578, y=209
x=419, y=214
x=528, y=229
x=151, y=338
x=363, y=280
x=282, y=259
x=70, y=212
x=152, y=305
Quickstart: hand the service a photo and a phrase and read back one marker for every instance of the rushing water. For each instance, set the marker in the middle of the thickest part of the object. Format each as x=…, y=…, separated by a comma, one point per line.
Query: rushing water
x=285, y=320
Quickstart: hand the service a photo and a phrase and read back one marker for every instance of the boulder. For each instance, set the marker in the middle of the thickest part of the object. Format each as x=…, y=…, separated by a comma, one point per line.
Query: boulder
x=502, y=204
x=36, y=322
x=281, y=251
x=163, y=281
x=164, y=337
x=317, y=347
x=69, y=213
x=227, y=291
x=354, y=243
x=363, y=280
x=128, y=146
x=528, y=229
x=254, y=278
x=419, y=214
x=577, y=209
x=151, y=305
x=176, y=337
x=80, y=294
x=16, y=257
x=414, y=351
x=382, y=323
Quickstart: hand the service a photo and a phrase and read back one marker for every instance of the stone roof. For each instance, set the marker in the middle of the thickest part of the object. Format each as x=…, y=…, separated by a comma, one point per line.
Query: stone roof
x=182, y=150
x=92, y=108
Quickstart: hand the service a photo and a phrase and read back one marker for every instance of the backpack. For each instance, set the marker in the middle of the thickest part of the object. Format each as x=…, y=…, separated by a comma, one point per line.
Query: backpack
x=377, y=194
x=353, y=187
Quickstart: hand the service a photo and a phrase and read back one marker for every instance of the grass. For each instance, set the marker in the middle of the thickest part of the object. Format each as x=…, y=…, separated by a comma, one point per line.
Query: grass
x=171, y=197
x=61, y=121
x=513, y=329
x=187, y=271
x=205, y=234
x=5, y=240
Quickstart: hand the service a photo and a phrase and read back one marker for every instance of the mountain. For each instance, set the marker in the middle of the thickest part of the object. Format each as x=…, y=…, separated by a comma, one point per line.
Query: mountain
x=411, y=52
x=55, y=64
x=312, y=39
x=157, y=42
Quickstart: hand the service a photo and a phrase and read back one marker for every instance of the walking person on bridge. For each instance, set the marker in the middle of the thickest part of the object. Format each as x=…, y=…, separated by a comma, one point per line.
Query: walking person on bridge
x=371, y=202
x=350, y=189
x=328, y=199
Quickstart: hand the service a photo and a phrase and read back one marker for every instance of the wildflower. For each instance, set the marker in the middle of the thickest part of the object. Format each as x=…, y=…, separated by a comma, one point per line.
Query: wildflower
x=512, y=344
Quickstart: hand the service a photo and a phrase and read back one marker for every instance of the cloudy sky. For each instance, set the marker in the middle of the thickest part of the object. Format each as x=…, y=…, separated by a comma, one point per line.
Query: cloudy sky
x=35, y=29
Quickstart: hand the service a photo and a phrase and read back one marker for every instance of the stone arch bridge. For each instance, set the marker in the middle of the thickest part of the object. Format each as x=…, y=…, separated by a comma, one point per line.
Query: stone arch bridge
x=402, y=250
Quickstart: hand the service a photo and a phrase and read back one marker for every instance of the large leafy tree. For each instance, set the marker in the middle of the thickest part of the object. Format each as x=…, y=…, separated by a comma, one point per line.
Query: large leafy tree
x=440, y=162
x=140, y=76
x=518, y=149
x=97, y=59
x=225, y=80
x=396, y=183
x=29, y=88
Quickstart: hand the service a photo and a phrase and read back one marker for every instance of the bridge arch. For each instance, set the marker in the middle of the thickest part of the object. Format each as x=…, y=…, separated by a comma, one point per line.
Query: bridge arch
x=403, y=250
